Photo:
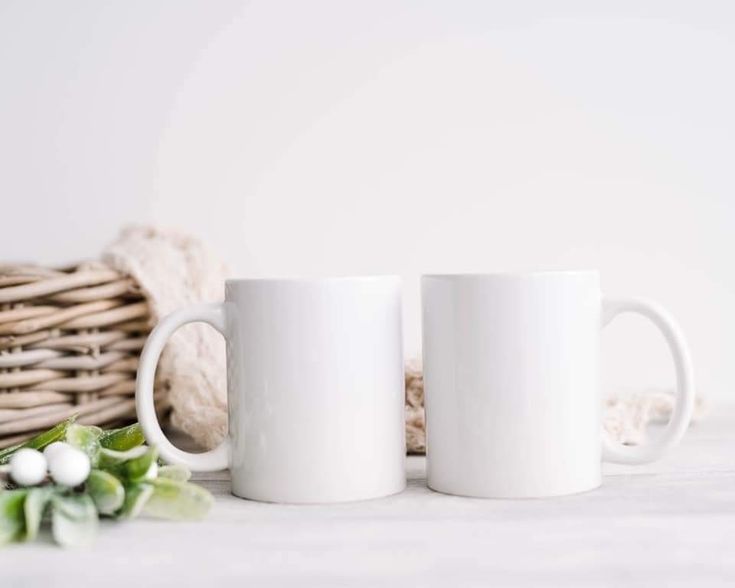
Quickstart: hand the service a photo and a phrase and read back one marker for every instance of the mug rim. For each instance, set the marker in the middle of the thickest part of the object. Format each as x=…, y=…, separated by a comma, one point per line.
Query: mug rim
x=311, y=279
x=513, y=274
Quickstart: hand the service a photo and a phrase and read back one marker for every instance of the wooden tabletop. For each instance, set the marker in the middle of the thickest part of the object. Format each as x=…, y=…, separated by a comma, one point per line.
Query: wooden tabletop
x=671, y=523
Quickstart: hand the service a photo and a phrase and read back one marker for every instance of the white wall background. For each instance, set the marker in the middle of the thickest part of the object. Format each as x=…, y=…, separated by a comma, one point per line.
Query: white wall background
x=317, y=138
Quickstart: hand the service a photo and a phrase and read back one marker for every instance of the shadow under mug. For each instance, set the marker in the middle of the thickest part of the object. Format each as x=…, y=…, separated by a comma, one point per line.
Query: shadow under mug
x=511, y=381
x=315, y=388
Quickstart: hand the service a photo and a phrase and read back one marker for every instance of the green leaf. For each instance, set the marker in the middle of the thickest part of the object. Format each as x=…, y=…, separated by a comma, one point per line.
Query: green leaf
x=33, y=509
x=40, y=441
x=123, y=439
x=12, y=519
x=109, y=459
x=136, y=496
x=174, y=472
x=106, y=491
x=85, y=438
x=176, y=500
x=73, y=520
x=135, y=470
x=129, y=466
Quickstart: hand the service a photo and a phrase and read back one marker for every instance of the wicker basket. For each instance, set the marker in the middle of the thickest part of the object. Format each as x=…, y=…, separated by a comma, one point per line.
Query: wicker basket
x=69, y=344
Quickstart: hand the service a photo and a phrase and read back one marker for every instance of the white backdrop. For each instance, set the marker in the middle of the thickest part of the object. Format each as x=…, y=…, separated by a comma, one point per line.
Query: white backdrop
x=318, y=138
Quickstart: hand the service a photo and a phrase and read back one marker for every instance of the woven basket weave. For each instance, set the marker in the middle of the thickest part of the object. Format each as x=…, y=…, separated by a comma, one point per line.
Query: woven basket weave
x=69, y=344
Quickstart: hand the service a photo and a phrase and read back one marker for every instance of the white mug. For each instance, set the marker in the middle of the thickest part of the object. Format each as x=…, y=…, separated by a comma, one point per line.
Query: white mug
x=511, y=379
x=315, y=389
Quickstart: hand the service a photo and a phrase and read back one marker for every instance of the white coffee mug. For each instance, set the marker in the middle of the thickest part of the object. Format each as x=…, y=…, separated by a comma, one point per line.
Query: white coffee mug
x=315, y=389
x=511, y=377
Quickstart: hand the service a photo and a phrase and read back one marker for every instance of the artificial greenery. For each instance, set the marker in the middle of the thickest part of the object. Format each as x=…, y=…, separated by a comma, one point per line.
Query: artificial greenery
x=126, y=480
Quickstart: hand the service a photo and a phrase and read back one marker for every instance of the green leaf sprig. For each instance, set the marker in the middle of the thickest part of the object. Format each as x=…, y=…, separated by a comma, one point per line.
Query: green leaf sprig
x=126, y=480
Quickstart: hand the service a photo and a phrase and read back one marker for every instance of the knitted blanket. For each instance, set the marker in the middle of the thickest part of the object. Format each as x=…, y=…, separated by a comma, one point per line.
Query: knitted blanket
x=175, y=270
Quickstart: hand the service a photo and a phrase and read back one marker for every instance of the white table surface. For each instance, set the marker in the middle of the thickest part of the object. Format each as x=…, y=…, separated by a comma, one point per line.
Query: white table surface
x=671, y=523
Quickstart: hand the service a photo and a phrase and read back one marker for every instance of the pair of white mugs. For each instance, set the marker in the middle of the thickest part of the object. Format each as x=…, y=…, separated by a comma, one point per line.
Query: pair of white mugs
x=316, y=386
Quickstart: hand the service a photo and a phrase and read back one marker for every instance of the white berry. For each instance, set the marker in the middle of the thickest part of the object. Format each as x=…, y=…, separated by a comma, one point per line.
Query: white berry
x=28, y=467
x=54, y=448
x=69, y=467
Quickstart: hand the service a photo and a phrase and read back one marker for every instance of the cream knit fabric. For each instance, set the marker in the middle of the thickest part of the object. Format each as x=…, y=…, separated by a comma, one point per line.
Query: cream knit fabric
x=176, y=270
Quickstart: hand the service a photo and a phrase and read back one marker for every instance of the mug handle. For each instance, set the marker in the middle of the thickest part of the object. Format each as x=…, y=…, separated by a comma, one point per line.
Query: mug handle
x=209, y=461
x=684, y=405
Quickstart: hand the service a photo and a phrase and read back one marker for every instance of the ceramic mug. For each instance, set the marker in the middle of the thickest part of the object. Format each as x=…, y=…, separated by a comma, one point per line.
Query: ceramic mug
x=315, y=388
x=511, y=379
